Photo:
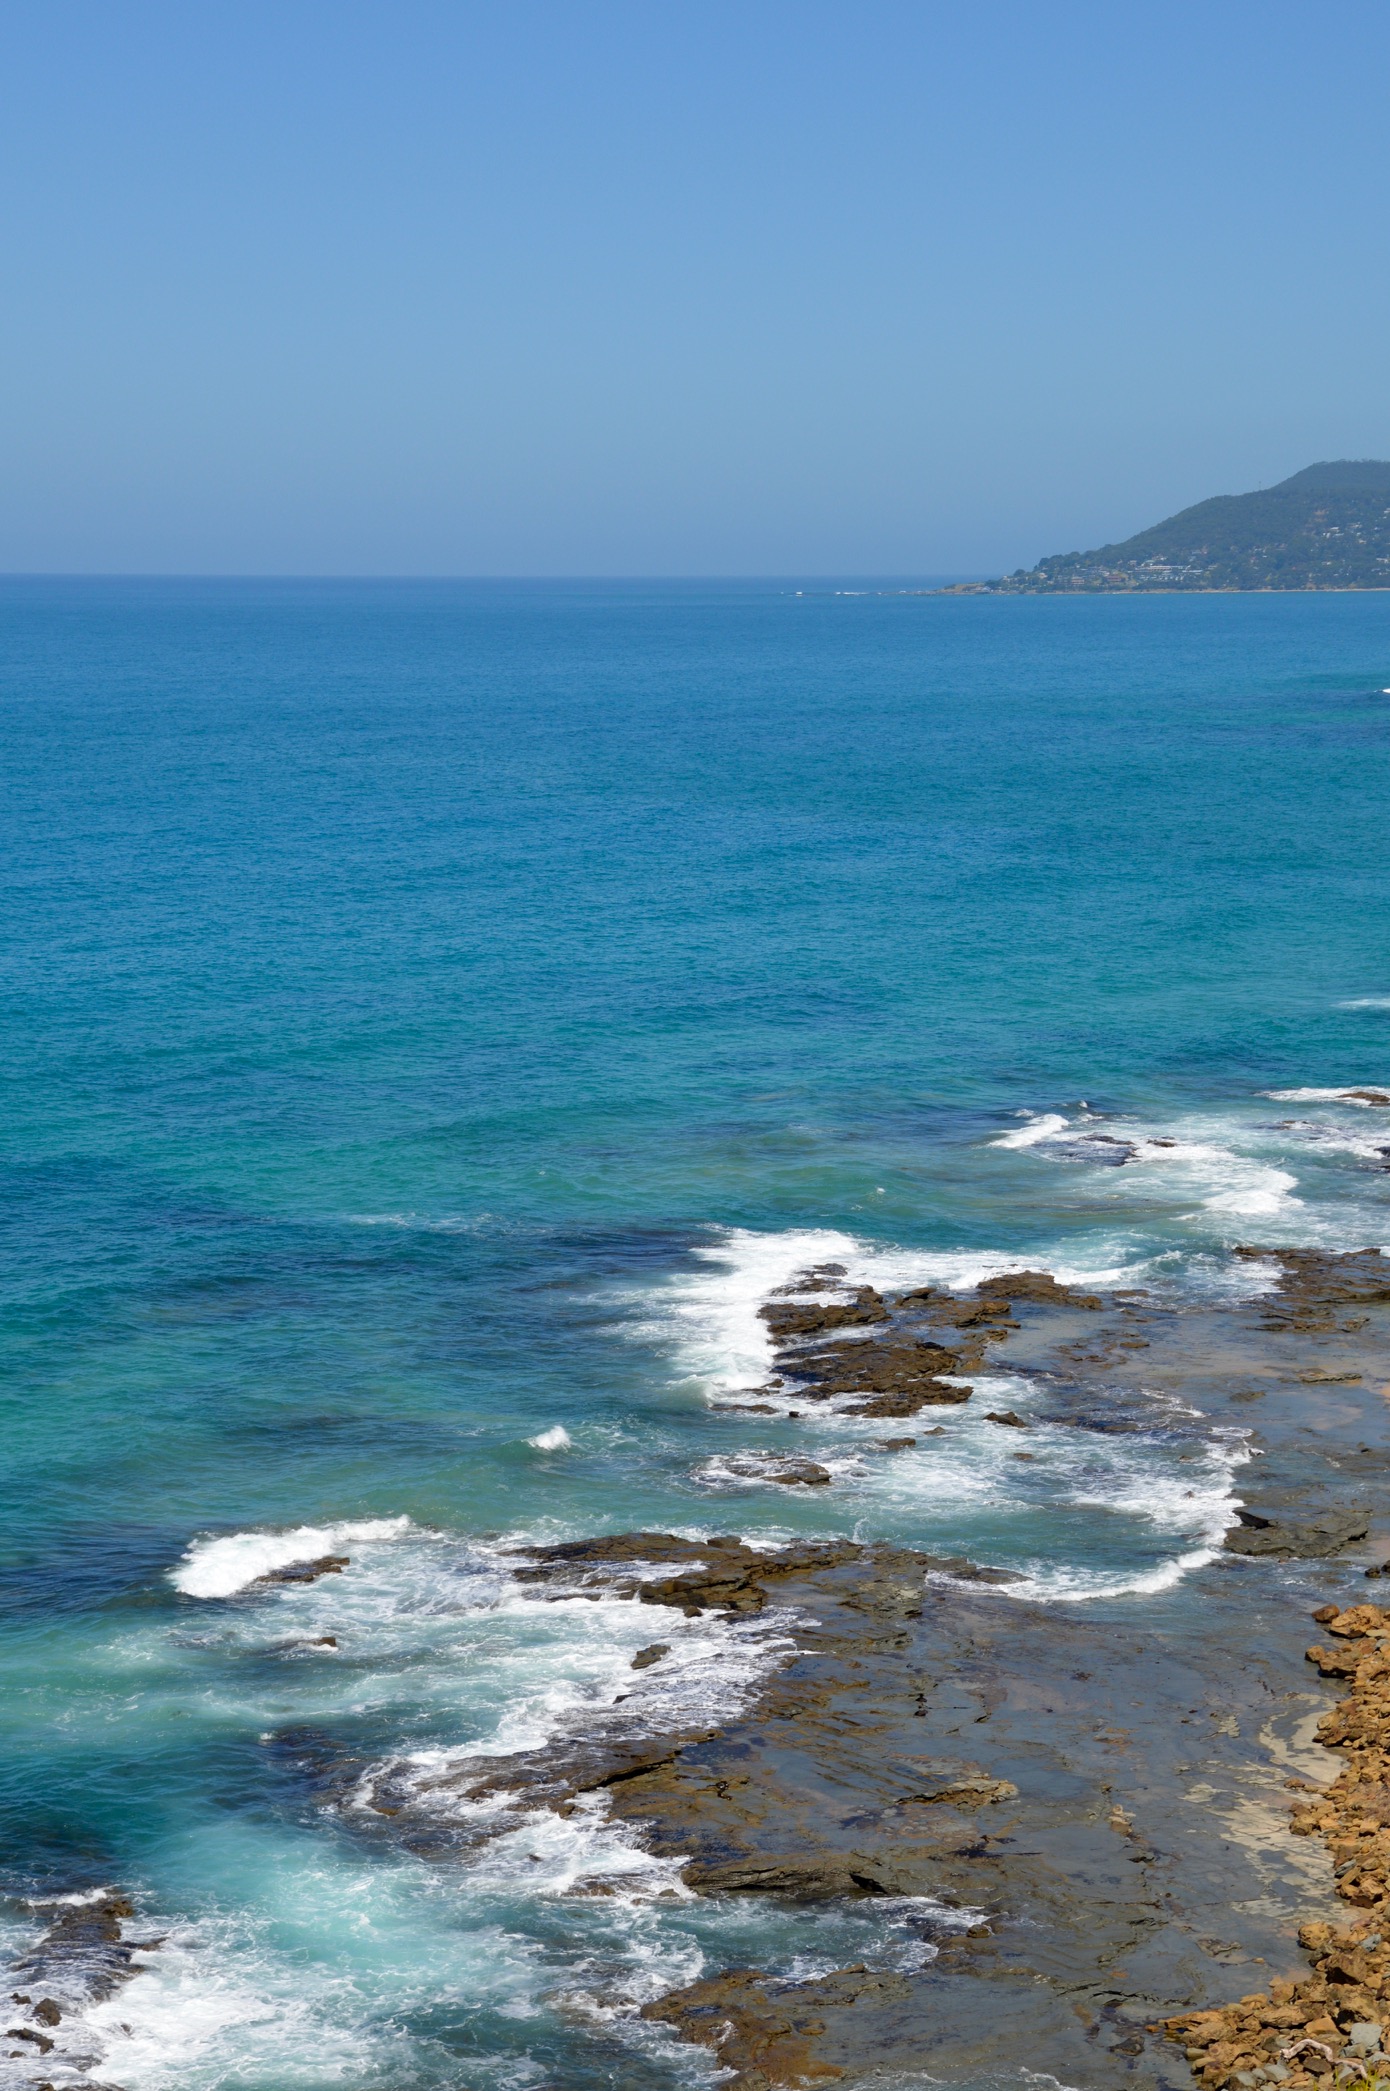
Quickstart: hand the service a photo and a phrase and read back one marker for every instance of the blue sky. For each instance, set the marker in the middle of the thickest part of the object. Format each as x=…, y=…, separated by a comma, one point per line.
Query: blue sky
x=536, y=287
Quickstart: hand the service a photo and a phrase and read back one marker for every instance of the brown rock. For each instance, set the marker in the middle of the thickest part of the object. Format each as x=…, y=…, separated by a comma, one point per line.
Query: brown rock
x=1035, y=1286
x=1334, y=1662
x=1355, y=1622
x=789, y=1318
x=871, y=1367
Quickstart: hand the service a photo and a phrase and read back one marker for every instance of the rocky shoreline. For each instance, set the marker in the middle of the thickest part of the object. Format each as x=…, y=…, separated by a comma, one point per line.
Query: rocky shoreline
x=1102, y=1788
x=1079, y=1812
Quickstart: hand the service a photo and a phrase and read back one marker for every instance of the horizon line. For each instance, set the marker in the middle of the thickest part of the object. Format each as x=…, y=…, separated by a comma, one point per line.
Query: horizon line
x=229, y=574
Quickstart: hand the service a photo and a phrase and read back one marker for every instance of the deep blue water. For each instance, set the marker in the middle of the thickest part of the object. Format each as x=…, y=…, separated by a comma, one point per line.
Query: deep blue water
x=435, y=1014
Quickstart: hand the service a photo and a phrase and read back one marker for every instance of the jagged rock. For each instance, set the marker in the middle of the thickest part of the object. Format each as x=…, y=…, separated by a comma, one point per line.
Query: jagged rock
x=870, y=1367
x=988, y=1314
x=1307, y=2027
x=788, y=1318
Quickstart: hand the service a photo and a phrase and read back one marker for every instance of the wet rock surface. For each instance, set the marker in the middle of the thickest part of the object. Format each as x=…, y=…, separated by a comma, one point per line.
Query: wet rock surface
x=1262, y=1531
x=1332, y=2023
x=771, y=2033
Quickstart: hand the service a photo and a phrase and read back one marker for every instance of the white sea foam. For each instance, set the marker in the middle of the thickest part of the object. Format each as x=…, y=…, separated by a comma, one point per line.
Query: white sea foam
x=239, y=2000
x=1366, y=1101
x=201, y=2015
x=1223, y=1180
x=708, y=1319
x=82, y=1900
x=1367, y=1139
x=1061, y=1583
x=442, y=1628
x=1367, y=1001
x=1045, y=1126
x=963, y=1476
x=566, y=1663
x=438, y=1623
x=556, y=1439
x=1217, y=1176
x=221, y=1567
x=750, y=1469
x=1149, y=1493
x=1197, y=1504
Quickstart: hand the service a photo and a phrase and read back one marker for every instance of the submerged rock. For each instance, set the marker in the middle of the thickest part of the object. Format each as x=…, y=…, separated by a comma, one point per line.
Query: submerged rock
x=788, y=1470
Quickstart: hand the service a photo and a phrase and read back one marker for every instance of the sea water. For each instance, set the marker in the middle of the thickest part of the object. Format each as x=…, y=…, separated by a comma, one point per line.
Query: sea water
x=436, y=1015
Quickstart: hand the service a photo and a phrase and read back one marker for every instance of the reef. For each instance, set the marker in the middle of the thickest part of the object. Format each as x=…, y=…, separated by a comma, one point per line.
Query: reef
x=1080, y=1813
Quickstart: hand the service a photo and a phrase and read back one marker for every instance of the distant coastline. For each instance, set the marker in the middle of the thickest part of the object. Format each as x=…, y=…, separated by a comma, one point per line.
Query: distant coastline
x=1268, y=588
x=1324, y=531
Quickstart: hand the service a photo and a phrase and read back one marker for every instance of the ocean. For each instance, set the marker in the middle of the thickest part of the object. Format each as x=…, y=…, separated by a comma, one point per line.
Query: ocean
x=436, y=1016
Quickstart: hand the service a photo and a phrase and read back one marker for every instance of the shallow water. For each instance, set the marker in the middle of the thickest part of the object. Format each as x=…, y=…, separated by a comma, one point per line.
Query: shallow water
x=435, y=1017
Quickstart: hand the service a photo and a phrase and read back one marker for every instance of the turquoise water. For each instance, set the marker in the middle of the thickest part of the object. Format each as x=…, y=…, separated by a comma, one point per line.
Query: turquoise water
x=434, y=1016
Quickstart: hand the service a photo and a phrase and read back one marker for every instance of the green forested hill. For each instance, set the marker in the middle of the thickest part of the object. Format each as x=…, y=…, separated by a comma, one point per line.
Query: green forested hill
x=1327, y=527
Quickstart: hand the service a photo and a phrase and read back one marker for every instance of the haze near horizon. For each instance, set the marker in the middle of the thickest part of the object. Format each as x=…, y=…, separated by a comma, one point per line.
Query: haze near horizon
x=443, y=289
